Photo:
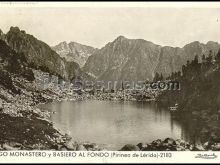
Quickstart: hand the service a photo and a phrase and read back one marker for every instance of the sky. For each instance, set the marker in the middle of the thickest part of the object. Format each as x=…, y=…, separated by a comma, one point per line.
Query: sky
x=96, y=26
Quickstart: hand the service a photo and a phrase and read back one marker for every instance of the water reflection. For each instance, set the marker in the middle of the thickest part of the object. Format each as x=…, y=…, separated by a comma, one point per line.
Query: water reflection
x=115, y=123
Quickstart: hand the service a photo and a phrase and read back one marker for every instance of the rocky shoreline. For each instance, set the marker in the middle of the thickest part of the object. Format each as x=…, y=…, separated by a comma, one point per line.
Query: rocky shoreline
x=25, y=127
x=170, y=144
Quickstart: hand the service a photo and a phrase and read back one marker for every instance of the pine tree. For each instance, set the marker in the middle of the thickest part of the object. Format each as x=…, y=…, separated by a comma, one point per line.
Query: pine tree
x=187, y=63
x=209, y=58
x=156, y=77
x=122, y=86
x=184, y=69
x=172, y=75
x=161, y=77
x=217, y=57
x=196, y=60
x=179, y=74
x=203, y=58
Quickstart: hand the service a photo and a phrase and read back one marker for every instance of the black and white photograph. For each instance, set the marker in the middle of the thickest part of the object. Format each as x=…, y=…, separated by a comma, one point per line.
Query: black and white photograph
x=96, y=76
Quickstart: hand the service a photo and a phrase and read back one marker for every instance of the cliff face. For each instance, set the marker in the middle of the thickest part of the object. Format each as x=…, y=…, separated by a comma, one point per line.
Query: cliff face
x=12, y=63
x=74, y=52
x=124, y=59
x=39, y=55
x=138, y=60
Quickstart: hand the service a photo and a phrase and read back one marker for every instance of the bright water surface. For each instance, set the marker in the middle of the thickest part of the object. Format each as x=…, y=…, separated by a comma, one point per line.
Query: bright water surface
x=113, y=124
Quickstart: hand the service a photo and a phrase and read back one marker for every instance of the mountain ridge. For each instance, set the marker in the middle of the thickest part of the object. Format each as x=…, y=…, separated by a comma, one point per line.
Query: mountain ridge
x=139, y=59
x=121, y=59
x=39, y=55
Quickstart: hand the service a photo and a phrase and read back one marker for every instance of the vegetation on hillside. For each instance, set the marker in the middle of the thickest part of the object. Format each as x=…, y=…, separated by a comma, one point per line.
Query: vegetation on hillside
x=199, y=96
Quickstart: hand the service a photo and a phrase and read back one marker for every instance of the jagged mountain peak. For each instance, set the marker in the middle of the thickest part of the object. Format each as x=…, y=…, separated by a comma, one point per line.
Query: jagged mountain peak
x=193, y=43
x=124, y=40
x=15, y=29
x=63, y=43
x=124, y=59
x=76, y=44
x=74, y=51
x=212, y=42
x=121, y=37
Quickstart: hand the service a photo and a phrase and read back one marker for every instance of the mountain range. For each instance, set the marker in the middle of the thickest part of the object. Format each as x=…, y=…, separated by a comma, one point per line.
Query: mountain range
x=121, y=59
x=139, y=60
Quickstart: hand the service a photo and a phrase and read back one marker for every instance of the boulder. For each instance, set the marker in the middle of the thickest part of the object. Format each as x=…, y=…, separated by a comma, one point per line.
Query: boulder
x=180, y=148
x=170, y=141
x=190, y=147
x=206, y=145
x=149, y=147
x=58, y=147
x=216, y=147
x=91, y=147
x=88, y=145
x=142, y=145
x=157, y=142
x=63, y=148
x=12, y=145
x=54, y=147
x=70, y=145
x=172, y=148
x=130, y=147
x=15, y=144
x=198, y=147
x=180, y=142
x=67, y=137
x=166, y=146
x=8, y=147
x=80, y=147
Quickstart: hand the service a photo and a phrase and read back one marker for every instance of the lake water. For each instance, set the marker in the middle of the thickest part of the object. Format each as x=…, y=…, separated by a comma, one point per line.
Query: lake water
x=113, y=124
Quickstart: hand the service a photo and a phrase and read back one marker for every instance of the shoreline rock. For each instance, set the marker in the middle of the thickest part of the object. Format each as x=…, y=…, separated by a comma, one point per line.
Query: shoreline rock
x=170, y=144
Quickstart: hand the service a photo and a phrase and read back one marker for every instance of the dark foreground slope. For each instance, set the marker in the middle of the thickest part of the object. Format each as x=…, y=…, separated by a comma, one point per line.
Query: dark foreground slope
x=199, y=97
x=22, y=126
